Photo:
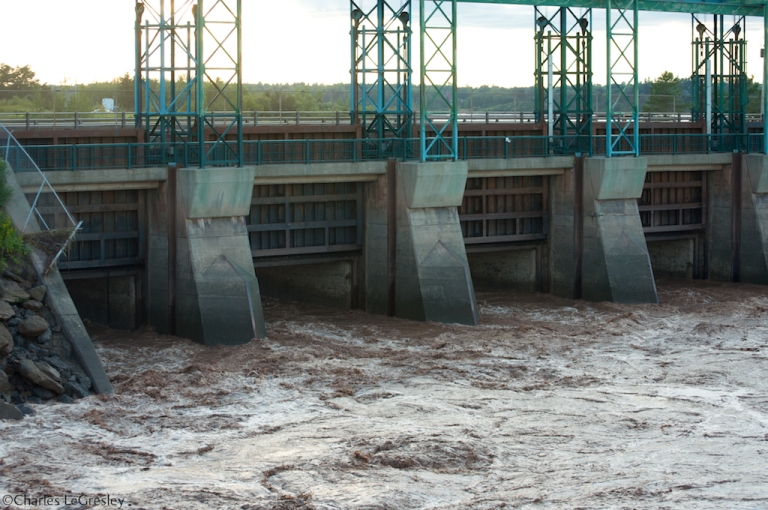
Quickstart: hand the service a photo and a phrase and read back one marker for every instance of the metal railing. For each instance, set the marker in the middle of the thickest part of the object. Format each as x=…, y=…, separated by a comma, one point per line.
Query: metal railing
x=264, y=152
x=95, y=120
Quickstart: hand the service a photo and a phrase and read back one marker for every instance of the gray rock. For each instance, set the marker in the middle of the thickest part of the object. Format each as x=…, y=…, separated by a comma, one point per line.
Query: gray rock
x=46, y=314
x=38, y=293
x=45, y=337
x=57, y=363
x=41, y=374
x=10, y=412
x=42, y=393
x=65, y=399
x=75, y=389
x=33, y=305
x=34, y=400
x=49, y=370
x=84, y=380
x=33, y=326
x=6, y=311
x=12, y=292
x=13, y=321
x=6, y=341
x=13, y=276
x=28, y=411
x=5, y=384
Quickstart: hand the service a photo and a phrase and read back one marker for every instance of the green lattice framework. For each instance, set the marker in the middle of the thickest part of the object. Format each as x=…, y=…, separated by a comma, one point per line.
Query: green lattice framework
x=382, y=91
x=438, y=86
x=725, y=49
x=565, y=40
x=189, y=78
x=729, y=7
x=622, y=89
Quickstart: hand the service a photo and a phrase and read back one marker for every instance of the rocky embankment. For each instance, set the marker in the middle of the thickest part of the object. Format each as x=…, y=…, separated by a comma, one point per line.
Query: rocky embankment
x=36, y=360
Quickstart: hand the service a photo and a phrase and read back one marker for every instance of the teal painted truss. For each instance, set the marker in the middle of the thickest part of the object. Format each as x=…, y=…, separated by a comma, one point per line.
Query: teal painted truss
x=188, y=78
x=622, y=136
x=382, y=91
x=733, y=7
x=723, y=50
x=564, y=71
x=438, y=83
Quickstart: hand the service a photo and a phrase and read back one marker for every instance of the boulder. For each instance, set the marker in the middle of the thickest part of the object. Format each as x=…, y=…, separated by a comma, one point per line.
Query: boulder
x=33, y=326
x=6, y=311
x=33, y=305
x=26, y=410
x=38, y=293
x=12, y=292
x=5, y=384
x=65, y=399
x=49, y=370
x=13, y=276
x=76, y=389
x=42, y=393
x=46, y=314
x=45, y=337
x=6, y=341
x=10, y=412
x=41, y=374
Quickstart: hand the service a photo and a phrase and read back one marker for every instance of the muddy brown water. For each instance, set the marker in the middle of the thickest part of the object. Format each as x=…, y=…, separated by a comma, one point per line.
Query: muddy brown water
x=549, y=403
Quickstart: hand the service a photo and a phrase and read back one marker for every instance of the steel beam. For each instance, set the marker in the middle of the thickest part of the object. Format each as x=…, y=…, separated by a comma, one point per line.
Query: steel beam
x=189, y=79
x=438, y=80
x=732, y=7
x=622, y=94
x=382, y=93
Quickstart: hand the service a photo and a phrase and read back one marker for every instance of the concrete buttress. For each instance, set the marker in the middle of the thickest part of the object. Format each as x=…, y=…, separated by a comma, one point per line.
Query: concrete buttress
x=616, y=264
x=217, y=293
x=754, y=220
x=433, y=280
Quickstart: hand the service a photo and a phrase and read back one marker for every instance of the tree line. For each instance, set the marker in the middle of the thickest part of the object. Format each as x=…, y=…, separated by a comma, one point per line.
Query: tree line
x=20, y=91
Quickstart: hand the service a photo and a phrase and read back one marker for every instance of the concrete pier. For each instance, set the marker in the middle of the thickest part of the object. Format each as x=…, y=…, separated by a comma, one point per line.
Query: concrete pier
x=215, y=298
x=617, y=266
x=754, y=220
x=433, y=280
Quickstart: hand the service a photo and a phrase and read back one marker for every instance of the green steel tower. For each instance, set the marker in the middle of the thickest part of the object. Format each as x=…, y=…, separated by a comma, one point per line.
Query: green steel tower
x=188, y=82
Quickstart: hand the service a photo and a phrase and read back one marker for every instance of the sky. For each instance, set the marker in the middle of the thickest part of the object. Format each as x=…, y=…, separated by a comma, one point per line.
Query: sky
x=286, y=41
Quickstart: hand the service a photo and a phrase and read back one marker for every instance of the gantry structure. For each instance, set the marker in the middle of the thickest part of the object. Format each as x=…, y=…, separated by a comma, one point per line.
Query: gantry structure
x=189, y=78
x=189, y=72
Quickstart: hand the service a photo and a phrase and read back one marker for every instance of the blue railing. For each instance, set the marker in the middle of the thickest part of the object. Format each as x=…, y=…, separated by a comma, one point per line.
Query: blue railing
x=268, y=152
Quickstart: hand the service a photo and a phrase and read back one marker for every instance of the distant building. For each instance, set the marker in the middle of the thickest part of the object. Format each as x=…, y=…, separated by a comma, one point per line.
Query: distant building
x=108, y=104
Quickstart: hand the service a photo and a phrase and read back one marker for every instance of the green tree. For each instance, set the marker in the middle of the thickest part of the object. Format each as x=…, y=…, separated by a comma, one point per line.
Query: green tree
x=754, y=95
x=19, y=89
x=80, y=102
x=18, y=78
x=666, y=94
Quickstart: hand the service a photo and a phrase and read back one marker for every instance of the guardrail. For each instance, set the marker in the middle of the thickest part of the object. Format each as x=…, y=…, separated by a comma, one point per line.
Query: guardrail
x=263, y=152
x=93, y=120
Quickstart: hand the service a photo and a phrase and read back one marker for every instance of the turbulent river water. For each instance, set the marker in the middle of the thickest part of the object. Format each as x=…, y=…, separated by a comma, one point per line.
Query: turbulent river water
x=549, y=403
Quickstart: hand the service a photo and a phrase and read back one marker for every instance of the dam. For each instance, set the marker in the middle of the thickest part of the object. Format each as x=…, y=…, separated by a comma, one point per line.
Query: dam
x=193, y=209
